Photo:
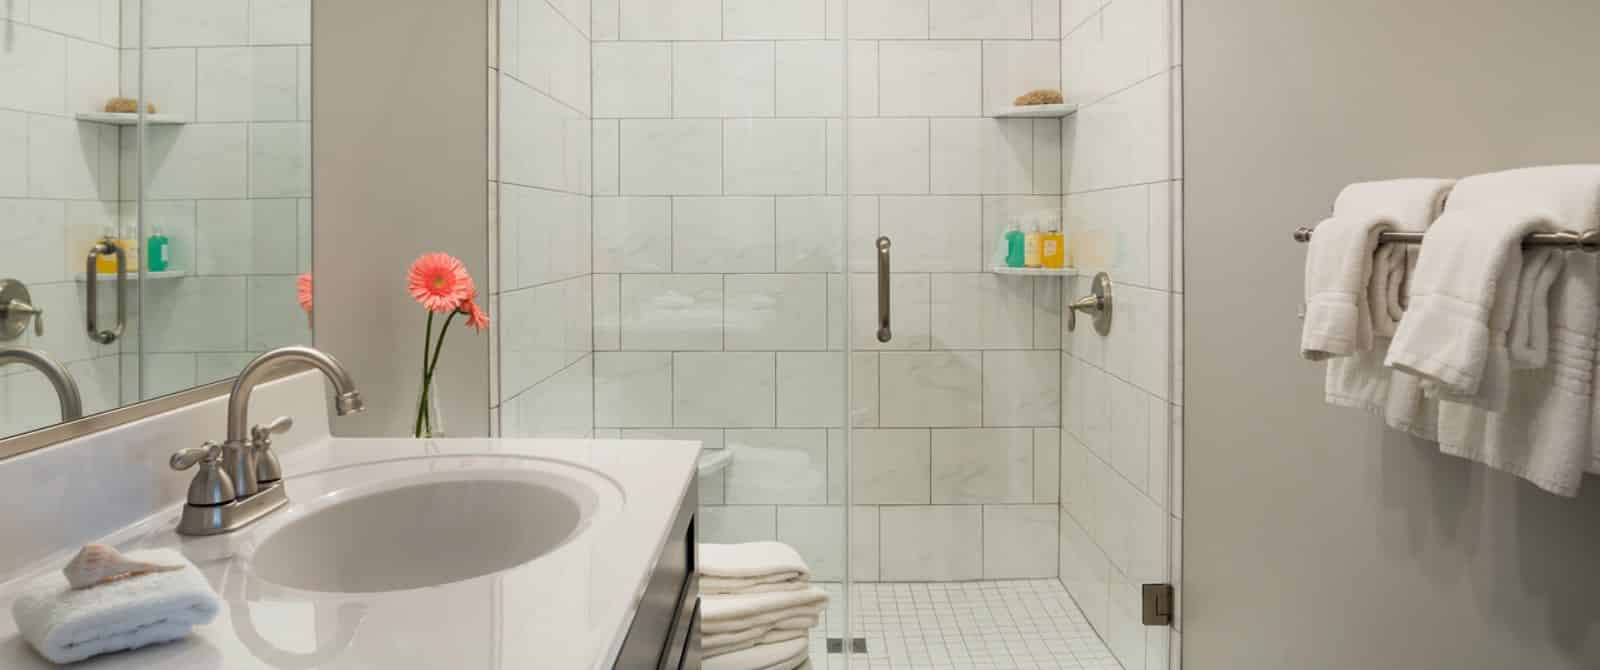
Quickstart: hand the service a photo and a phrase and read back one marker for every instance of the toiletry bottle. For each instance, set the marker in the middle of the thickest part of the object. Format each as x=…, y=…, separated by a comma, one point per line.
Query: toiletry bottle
x=106, y=263
x=1014, y=247
x=1053, y=251
x=156, y=253
x=1031, y=248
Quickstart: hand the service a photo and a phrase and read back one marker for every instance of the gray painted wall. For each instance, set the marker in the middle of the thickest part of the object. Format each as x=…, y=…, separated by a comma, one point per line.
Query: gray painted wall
x=1314, y=537
x=400, y=163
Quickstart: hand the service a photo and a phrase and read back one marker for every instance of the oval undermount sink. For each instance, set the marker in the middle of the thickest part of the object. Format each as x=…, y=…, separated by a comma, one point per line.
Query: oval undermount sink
x=426, y=531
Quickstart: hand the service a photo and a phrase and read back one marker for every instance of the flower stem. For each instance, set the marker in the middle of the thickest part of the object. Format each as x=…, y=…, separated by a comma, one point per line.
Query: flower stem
x=427, y=376
x=422, y=402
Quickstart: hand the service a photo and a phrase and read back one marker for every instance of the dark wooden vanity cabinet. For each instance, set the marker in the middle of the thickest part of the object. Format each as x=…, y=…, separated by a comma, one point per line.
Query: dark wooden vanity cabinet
x=665, y=633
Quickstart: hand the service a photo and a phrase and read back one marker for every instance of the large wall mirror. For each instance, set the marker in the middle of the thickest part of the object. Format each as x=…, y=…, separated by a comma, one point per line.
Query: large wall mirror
x=203, y=187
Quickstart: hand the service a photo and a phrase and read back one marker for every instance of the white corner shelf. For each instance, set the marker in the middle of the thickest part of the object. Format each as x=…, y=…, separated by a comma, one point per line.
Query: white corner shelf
x=1033, y=272
x=129, y=119
x=1037, y=112
x=135, y=276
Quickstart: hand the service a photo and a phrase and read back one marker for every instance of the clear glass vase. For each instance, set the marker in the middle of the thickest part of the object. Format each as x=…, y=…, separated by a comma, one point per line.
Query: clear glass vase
x=429, y=420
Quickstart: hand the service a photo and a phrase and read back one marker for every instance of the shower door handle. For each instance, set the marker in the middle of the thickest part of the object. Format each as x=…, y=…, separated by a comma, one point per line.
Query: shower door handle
x=884, y=334
x=104, y=247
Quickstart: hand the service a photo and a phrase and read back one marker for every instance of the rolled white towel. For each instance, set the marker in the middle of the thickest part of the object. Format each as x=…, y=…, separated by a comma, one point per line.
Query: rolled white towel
x=66, y=625
x=731, y=613
x=785, y=655
x=767, y=561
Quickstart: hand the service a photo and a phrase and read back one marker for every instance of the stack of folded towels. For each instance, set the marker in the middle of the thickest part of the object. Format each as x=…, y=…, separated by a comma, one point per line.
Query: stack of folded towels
x=757, y=606
x=1470, y=340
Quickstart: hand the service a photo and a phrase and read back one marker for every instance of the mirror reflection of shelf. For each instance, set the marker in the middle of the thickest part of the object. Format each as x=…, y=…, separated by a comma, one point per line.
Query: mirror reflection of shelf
x=129, y=119
x=135, y=276
x=1033, y=272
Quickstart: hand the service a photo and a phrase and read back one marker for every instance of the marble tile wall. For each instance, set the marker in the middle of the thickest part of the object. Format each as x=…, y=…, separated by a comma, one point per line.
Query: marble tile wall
x=540, y=187
x=1121, y=455
x=58, y=179
x=720, y=156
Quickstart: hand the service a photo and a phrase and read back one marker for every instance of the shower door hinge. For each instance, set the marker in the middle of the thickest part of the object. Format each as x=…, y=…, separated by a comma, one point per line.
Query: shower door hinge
x=1157, y=604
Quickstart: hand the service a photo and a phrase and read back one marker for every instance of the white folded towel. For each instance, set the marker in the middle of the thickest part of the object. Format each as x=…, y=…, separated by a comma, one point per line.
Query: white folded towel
x=793, y=624
x=725, y=586
x=1546, y=433
x=1403, y=205
x=748, y=640
x=785, y=655
x=766, y=561
x=66, y=625
x=1360, y=380
x=1463, y=299
x=1338, y=321
x=730, y=613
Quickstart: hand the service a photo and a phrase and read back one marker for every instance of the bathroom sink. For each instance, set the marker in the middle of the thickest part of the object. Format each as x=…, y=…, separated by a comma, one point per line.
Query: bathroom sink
x=423, y=530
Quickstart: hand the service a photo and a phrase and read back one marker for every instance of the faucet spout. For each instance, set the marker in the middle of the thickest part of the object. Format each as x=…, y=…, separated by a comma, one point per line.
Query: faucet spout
x=239, y=458
x=66, y=387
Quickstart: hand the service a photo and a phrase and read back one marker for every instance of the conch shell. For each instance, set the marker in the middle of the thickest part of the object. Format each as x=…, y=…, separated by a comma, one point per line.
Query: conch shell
x=98, y=564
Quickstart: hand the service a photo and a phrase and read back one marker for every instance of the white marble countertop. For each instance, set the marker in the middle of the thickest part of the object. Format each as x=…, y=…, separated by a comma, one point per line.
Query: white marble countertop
x=570, y=608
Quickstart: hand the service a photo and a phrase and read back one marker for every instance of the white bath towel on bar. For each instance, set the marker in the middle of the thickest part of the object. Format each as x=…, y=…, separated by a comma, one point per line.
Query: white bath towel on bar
x=1360, y=380
x=1529, y=337
x=1545, y=434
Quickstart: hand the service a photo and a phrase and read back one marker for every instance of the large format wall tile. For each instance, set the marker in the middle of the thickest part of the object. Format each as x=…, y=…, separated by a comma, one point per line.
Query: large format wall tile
x=985, y=465
x=930, y=543
x=730, y=389
x=938, y=388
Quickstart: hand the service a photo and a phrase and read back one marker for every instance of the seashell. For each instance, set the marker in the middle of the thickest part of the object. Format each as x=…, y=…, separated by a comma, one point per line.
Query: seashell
x=98, y=564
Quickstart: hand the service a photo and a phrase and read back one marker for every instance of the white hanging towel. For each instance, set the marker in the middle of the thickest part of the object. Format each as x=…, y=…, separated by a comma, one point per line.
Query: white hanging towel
x=1406, y=205
x=1353, y=288
x=1464, y=294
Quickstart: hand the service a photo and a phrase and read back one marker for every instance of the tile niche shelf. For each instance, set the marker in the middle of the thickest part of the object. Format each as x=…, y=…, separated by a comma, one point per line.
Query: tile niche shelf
x=1033, y=272
x=1036, y=112
x=130, y=119
x=135, y=276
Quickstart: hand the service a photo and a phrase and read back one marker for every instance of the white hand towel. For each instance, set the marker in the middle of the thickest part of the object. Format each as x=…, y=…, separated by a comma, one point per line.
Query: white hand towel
x=1360, y=380
x=1546, y=432
x=1456, y=337
x=709, y=650
x=752, y=560
x=1403, y=205
x=1529, y=337
x=726, y=614
x=785, y=655
x=67, y=625
x=1463, y=299
x=1338, y=321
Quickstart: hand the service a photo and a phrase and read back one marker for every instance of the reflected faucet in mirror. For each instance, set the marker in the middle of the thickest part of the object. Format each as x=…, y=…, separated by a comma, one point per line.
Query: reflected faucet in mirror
x=66, y=387
x=239, y=481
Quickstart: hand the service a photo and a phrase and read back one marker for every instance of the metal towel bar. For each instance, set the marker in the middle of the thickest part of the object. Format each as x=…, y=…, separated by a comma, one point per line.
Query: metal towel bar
x=1587, y=241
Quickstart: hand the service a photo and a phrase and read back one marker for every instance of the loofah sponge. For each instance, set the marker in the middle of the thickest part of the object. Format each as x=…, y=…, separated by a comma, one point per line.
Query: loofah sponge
x=1043, y=96
x=127, y=106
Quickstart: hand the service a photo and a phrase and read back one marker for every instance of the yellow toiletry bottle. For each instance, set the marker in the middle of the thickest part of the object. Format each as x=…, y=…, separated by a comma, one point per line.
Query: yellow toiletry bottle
x=1053, y=249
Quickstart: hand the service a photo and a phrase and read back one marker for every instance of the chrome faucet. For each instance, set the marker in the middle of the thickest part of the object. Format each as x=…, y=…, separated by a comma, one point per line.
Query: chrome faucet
x=66, y=387
x=239, y=481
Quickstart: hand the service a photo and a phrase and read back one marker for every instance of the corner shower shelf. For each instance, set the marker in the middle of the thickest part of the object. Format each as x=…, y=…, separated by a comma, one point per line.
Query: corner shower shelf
x=135, y=276
x=1037, y=112
x=1033, y=272
x=129, y=119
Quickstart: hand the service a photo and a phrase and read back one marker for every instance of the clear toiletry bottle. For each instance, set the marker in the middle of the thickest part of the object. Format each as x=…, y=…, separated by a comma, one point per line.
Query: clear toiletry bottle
x=1032, y=254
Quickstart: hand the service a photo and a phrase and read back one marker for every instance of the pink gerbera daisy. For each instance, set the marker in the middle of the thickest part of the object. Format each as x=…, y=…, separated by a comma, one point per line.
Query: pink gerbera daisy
x=477, y=319
x=439, y=282
x=304, y=285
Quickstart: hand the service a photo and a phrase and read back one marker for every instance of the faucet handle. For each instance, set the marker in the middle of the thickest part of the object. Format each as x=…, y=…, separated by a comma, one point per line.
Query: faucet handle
x=210, y=452
x=268, y=469
x=210, y=486
x=261, y=435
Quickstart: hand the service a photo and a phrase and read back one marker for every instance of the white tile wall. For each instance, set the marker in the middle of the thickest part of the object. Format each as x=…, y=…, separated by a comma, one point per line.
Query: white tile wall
x=1120, y=461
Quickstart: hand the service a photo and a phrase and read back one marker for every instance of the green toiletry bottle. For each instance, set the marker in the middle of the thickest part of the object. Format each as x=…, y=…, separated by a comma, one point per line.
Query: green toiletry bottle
x=1016, y=244
x=156, y=257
